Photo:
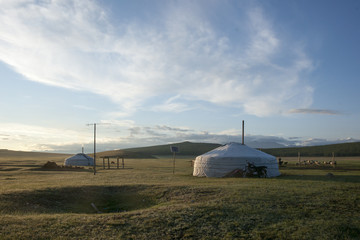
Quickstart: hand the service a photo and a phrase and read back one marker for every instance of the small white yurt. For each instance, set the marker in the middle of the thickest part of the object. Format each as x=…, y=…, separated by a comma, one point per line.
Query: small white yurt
x=79, y=159
x=225, y=159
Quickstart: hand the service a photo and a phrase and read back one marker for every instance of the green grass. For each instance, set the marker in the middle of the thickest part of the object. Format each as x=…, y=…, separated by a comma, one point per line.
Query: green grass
x=146, y=201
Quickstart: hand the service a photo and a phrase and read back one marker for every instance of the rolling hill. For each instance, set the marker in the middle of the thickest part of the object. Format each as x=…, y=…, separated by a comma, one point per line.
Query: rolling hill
x=185, y=149
x=11, y=153
x=340, y=150
x=195, y=149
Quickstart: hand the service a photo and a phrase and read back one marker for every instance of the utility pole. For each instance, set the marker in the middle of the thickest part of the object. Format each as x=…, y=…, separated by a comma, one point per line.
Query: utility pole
x=94, y=124
x=243, y=133
x=174, y=150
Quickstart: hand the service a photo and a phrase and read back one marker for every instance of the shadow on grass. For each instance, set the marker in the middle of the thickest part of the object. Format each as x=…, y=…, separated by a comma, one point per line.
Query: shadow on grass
x=113, y=168
x=20, y=165
x=78, y=200
x=96, y=199
x=62, y=169
x=331, y=176
x=9, y=169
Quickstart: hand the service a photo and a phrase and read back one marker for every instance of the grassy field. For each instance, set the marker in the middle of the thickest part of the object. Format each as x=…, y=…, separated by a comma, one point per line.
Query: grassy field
x=147, y=201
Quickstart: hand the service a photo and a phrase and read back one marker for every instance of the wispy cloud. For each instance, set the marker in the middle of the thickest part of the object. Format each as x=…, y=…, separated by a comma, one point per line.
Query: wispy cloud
x=264, y=42
x=314, y=111
x=74, y=44
x=172, y=105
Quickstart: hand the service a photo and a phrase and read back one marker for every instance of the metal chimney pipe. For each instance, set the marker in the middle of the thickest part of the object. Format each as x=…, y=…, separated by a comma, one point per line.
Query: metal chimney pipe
x=242, y=133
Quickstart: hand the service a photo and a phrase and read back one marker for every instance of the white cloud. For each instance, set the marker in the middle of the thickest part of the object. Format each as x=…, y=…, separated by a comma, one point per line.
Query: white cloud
x=74, y=44
x=82, y=107
x=31, y=138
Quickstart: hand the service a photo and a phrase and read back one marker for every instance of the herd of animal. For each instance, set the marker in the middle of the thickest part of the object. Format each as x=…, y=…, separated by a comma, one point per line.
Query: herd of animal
x=309, y=162
x=318, y=163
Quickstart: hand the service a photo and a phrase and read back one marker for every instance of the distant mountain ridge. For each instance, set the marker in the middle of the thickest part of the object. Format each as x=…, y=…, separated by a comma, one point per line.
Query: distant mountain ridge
x=340, y=149
x=195, y=149
x=263, y=144
x=185, y=149
x=11, y=153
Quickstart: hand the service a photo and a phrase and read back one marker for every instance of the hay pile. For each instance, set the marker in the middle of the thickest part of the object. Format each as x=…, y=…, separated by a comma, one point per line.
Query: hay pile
x=50, y=165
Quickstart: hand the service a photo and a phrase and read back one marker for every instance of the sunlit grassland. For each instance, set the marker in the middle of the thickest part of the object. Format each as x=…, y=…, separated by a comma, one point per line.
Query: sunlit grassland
x=147, y=201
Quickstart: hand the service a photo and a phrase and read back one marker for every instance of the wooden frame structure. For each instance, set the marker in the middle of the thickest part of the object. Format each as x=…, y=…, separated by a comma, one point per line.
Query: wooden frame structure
x=117, y=158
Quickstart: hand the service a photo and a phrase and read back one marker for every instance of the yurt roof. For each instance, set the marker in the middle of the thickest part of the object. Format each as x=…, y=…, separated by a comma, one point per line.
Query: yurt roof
x=80, y=156
x=235, y=150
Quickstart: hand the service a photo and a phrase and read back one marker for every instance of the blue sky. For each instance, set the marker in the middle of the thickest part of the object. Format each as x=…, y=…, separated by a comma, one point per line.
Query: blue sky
x=157, y=72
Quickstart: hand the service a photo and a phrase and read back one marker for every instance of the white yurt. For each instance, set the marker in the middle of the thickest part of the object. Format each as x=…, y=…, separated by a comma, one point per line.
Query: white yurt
x=225, y=159
x=79, y=159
